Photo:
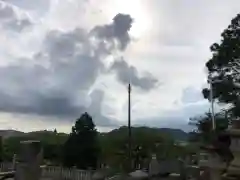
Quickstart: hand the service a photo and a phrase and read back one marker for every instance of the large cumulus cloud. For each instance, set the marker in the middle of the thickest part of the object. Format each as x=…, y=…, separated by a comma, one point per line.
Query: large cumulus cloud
x=55, y=80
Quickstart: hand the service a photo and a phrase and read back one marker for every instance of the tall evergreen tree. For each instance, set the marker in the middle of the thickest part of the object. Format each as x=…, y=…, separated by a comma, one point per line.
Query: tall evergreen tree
x=55, y=131
x=82, y=148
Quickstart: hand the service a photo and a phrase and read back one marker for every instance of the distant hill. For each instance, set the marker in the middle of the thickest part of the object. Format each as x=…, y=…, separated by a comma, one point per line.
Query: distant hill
x=176, y=134
x=10, y=133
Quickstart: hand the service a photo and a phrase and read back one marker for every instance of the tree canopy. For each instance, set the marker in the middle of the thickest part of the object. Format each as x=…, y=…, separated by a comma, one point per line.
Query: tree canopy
x=204, y=132
x=82, y=147
x=223, y=68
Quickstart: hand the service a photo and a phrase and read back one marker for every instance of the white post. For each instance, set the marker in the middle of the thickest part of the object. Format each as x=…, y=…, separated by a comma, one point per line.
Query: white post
x=212, y=104
x=14, y=162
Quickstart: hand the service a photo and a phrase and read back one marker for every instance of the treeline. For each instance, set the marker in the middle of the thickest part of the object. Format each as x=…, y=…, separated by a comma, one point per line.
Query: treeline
x=84, y=147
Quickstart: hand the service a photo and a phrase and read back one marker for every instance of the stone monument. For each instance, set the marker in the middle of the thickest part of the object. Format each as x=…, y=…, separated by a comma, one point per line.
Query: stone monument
x=14, y=162
x=215, y=164
x=30, y=158
x=211, y=162
x=154, y=166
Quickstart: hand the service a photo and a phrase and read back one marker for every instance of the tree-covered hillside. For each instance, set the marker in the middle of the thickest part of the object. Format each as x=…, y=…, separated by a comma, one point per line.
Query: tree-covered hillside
x=111, y=142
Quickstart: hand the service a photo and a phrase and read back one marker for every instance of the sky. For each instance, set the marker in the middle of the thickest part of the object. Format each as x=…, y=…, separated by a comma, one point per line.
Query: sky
x=61, y=58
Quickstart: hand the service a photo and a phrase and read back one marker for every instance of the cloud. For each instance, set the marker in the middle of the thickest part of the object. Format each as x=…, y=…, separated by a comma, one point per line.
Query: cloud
x=118, y=30
x=95, y=109
x=12, y=18
x=191, y=95
x=191, y=104
x=27, y=4
x=65, y=51
x=56, y=80
x=176, y=118
x=126, y=73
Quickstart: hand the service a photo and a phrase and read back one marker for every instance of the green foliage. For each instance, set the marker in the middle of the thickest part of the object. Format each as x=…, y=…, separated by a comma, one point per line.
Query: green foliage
x=223, y=65
x=82, y=147
x=52, y=144
x=205, y=133
x=150, y=141
x=113, y=145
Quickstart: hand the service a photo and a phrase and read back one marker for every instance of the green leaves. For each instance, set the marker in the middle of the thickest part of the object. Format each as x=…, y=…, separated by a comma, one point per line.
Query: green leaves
x=204, y=126
x=224, y=66
x=82, y=147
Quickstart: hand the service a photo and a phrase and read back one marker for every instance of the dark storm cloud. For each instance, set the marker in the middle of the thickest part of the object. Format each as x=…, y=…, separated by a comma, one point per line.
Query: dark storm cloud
x=56, y=80
x=126, y=73
x=10, y=19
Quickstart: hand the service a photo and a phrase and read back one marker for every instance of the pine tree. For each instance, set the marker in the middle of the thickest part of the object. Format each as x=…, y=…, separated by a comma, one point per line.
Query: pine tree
x=82, y=148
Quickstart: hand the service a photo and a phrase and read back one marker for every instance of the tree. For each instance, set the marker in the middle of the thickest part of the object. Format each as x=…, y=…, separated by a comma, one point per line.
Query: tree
x=223, y=67
x=82, y=148
x=55, y=131
x=52, y=152
x=203, y=125
x=145, y=142
x=218, y=139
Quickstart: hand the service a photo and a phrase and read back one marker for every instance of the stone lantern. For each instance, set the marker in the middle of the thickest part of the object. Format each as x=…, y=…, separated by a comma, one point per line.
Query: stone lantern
x=216, y=165
x=234, y=132
x=212, y=162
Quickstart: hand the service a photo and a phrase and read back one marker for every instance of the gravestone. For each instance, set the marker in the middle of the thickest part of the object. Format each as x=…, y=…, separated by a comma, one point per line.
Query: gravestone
x=14, y=162
x=154, y=167
x=30, y=158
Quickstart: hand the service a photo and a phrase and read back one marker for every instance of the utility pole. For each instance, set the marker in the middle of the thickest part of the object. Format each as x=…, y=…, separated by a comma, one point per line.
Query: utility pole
x=129, y=127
